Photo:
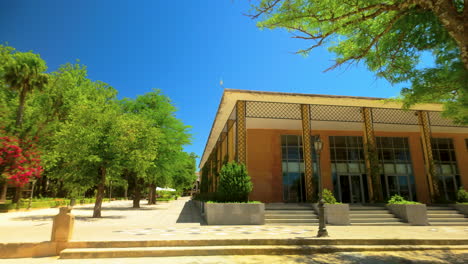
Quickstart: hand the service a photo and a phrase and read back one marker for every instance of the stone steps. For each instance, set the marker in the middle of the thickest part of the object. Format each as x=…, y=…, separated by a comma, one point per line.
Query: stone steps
x=444, y=215
x=290, y=214
x=372, y=216
x=84, y=253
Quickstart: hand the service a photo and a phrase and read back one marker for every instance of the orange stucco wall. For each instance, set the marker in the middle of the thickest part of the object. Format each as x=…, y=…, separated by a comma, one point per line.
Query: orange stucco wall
x=264, y=160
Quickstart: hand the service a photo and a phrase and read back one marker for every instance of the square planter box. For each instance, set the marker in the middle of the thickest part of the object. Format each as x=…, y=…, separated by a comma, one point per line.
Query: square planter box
x=414, y=214
x=234, y=213
x=336, y=214
x=462, y=208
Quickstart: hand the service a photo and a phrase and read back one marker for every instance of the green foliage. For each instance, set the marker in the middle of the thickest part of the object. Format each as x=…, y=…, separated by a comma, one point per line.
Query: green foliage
x=462, y=195
x=204, y=197
x=390, y=37
x=397, y=199
x=235, y=184
x=250, y=202
x=328, y=197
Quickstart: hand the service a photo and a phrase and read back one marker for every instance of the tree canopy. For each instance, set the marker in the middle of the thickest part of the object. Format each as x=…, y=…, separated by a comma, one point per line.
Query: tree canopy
x=87, y=137
x=390, y=36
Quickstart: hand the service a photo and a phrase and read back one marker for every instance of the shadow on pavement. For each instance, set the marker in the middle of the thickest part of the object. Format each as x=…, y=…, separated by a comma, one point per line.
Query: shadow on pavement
x=390, y=257
x=189, y=214
x=122, y=209
x=81, y=218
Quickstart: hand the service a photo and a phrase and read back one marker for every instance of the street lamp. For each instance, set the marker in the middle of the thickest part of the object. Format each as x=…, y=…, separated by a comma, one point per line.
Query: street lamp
x=322, y=231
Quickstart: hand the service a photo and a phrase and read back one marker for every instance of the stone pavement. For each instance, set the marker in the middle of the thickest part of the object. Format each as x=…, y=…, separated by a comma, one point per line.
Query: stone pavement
x=419, y=257
x=180, y=220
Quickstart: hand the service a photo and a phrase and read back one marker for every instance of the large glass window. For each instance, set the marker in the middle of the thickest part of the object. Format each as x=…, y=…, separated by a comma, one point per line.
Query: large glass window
x=395, y=167
x=445, y=161
x=293, y=168
x=348, y=168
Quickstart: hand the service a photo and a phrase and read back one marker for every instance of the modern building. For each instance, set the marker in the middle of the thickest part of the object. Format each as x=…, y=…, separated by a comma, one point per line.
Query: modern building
x=372, y=148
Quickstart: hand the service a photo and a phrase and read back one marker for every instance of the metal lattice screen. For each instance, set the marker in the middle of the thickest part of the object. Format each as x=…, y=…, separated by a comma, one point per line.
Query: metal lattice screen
x=436, y=119
x=335, y=113
x=394, y=116
x=273, y=110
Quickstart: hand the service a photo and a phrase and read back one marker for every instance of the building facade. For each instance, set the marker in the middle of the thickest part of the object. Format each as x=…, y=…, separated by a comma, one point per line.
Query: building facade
x=372, y=149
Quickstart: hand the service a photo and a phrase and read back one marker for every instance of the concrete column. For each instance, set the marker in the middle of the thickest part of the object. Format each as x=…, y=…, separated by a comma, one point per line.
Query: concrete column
x=231, y=143
x=424, y=126
x=461, y=152
x=62, y=228
x=307, y=151
x=371, y=156
x=241, y=132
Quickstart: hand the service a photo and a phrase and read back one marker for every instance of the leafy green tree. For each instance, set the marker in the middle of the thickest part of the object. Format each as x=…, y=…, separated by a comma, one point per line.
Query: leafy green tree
x=184, y=176
x=139, y=141
x=159, y=111
x=88, y=143
x=390, y=36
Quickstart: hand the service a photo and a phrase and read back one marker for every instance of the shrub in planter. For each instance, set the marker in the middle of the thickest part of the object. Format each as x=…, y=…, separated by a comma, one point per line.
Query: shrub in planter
x=328, y=197
x=462, y=196
x=234, y=183
x=397, y=199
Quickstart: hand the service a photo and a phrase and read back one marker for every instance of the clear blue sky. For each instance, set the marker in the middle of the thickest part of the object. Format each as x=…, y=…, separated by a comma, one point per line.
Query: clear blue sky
x=182, y=47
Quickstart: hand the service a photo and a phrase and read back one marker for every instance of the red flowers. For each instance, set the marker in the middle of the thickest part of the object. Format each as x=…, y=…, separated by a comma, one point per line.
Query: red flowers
x=19, y=164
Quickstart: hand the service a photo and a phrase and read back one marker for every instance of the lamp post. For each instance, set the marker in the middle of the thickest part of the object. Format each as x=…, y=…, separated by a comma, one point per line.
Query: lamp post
x=322, y=231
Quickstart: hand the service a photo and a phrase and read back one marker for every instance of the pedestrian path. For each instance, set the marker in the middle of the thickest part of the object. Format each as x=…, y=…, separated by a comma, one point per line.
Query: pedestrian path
x=180, y=219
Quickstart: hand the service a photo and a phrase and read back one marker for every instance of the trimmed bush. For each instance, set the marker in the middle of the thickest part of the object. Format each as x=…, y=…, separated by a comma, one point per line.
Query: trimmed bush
x=397, y=199
x=235, y=184
x=328, y=197
x=462, y=195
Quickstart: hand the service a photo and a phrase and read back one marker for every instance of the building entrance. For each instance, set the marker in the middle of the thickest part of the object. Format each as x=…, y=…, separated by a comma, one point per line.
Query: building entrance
x=351, y=188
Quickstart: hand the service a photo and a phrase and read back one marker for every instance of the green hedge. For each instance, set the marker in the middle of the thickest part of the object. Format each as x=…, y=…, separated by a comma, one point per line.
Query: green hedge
x=49, y=203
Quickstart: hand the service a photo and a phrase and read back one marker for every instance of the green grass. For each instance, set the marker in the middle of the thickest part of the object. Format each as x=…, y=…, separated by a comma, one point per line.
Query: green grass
x=249, y=202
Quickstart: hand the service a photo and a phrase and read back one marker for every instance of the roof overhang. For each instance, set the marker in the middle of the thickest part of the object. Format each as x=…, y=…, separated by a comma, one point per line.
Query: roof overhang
x=231, y=96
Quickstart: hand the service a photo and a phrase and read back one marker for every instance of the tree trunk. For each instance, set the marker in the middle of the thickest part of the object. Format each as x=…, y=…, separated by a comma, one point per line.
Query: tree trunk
x=152, y=194
x=136, y=195
x=19, y=114
x=4, y=191
x=100, y=194
x=17, y=197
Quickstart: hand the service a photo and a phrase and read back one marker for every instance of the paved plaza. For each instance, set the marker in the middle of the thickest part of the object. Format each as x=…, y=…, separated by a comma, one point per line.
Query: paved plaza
x=180, y=220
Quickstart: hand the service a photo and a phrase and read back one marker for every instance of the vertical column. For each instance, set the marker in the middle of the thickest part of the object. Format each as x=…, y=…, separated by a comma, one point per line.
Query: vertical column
x=424, y=126
x=241, y=133
x=231, y=145
x=210, y=181
x=307, y=151
x=371, y=156
x=224, y=144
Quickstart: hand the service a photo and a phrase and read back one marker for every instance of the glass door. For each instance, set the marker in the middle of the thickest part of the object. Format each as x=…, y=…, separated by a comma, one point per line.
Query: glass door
x=397, y=184
x=351, y=188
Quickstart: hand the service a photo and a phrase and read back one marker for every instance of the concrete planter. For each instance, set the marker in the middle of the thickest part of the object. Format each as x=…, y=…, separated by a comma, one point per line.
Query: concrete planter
x=336, y=214
x=234, y=213
x=414, y=214
x=462, y=208
x=200, y=206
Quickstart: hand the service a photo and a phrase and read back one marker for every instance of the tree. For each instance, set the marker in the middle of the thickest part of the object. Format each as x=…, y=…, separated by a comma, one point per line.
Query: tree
x=139, y=141
x=88, y=143
x=18, y=164
x=24, y=73
x=160, y=113
x=389, y=36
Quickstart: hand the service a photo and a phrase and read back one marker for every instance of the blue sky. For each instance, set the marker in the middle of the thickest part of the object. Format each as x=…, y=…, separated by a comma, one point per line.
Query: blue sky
x=182, y=47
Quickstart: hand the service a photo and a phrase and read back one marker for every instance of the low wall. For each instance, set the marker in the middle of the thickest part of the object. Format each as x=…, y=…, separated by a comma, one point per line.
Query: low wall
x=414, y=214
x=234, y=213
x=462, y=208
x=28, y=250
x=335, y=214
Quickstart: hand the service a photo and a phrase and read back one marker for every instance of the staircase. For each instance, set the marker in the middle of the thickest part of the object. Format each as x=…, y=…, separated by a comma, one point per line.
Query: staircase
x=444, y=215
x=250, y=246
x=290, y=214
x=372, y=215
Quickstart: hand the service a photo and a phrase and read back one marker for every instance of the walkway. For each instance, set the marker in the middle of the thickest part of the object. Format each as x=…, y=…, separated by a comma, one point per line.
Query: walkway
x=181, y=220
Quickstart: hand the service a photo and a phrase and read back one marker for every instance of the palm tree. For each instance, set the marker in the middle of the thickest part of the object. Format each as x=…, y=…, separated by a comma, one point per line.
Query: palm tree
x=24, y=74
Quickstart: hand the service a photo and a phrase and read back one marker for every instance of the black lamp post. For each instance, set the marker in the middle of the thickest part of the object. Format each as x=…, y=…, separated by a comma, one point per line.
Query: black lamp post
x=322, y=231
